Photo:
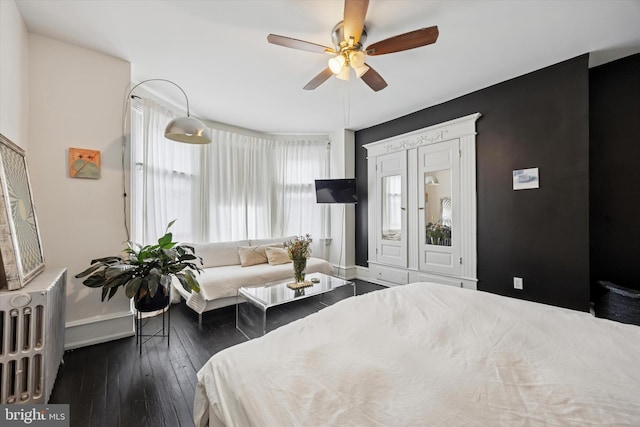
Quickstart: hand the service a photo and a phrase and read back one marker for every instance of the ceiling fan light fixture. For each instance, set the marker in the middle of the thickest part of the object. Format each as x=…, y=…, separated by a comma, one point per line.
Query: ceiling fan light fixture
x=356, y=59
x=336, y=64
x=344, y=73
x=348, y=38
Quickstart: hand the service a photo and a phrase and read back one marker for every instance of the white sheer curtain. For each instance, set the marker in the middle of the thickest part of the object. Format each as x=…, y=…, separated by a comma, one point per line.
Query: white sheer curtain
x=237, y=187
x=225, y=180
x=391, y=207
x=260, y=187
x=166, y=180
x=300, y=163
x=240, y=181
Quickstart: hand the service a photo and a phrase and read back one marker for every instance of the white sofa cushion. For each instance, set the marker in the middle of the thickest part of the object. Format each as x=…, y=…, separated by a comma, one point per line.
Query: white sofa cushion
x=219, y=253
x=276, y=240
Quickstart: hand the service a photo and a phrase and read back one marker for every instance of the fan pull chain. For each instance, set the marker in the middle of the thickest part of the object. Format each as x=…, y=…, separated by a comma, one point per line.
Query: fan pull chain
x=346, y=103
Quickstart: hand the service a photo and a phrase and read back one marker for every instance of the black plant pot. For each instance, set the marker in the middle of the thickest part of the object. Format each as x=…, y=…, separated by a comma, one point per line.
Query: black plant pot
x=159, y=301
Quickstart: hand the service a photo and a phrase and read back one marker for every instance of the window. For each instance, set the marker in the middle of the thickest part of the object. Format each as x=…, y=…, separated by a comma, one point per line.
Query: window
x=237, y=187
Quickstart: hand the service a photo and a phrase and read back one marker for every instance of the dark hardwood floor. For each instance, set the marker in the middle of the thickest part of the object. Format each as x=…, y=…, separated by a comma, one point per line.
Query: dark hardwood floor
x=111, y=384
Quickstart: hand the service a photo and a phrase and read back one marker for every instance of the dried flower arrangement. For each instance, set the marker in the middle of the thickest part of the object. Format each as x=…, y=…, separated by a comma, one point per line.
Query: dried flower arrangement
x=299, y=247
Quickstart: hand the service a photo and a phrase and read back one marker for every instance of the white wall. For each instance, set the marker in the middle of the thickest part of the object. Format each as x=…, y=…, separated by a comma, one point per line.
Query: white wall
x=76, y=100
x=342, y=251
x=14, y=75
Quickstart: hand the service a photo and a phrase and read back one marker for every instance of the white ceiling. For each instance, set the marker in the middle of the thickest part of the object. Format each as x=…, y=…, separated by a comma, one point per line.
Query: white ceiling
x=218, y=53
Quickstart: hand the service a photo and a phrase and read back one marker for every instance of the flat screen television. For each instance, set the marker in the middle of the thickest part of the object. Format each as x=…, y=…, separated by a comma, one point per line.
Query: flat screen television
x=336, y=191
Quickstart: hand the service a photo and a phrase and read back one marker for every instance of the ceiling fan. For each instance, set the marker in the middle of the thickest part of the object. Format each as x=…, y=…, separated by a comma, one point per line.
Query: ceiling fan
x=348, y=36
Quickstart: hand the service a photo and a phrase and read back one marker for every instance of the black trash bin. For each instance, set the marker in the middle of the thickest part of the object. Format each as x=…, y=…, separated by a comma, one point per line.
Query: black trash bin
x=618, y=303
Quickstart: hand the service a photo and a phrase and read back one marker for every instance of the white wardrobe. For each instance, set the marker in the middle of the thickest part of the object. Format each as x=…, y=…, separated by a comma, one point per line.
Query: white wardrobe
x=422, y=205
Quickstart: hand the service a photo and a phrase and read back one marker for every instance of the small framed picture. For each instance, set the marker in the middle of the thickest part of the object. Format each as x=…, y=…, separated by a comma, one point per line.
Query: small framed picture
x=84, y=163
x=525, y=179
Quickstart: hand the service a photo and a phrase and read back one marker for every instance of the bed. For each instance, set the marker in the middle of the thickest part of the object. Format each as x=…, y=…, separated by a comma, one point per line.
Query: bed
x=428, y=354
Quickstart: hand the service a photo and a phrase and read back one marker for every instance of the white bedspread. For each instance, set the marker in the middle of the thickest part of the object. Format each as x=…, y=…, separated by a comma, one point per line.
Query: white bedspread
x=429, y=355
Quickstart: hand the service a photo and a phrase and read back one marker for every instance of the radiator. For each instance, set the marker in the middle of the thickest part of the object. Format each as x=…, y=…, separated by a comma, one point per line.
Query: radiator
x=32, y=321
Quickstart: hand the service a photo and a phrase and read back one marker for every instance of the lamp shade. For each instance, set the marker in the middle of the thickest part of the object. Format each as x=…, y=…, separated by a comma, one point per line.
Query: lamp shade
x=356, y=59
x=431, y=180
x=336, y=64
x=188, y=129
x=344, y=73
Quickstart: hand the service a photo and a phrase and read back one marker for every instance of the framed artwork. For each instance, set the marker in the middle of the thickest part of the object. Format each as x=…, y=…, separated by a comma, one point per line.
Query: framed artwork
x=524, y=179
x=20, y=245
x=84, y=163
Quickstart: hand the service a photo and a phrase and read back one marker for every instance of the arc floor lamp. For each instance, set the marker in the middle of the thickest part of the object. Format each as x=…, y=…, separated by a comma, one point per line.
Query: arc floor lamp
x=182, y=129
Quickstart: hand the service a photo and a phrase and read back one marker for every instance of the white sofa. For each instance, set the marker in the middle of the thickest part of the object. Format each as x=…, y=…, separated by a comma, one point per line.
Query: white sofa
x=223, y=274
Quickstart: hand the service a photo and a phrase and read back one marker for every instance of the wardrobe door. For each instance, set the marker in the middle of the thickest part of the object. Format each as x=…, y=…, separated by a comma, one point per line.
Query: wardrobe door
x=438, y=206
x=391, y=212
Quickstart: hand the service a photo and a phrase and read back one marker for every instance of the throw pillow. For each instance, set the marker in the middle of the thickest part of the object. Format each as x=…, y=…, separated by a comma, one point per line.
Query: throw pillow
x=251, y=255
x=277, y=255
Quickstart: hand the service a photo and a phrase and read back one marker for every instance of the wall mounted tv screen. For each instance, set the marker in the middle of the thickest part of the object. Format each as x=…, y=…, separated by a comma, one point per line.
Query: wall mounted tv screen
x=336, y=191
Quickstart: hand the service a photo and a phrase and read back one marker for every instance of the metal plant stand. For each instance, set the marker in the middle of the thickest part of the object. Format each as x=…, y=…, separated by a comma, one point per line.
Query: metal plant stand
x=142, y=321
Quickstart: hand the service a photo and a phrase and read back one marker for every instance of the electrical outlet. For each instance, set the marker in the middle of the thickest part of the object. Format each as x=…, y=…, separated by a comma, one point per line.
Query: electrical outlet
x=517, y=283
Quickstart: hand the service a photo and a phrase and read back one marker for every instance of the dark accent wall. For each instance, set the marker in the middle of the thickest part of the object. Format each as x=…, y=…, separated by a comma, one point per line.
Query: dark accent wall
x=614, y=100
x=538, y=120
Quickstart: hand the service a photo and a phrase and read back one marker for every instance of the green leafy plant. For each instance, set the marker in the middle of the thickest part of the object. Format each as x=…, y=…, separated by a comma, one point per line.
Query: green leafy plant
x=145, y=269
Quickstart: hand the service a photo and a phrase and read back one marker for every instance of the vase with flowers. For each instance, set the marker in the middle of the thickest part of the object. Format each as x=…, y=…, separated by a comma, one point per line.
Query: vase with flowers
x=299, y=249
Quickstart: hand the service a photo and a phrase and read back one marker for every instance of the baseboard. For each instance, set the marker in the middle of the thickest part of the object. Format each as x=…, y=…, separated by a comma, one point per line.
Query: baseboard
x=347, y=273
x=82, y=333
x=362, y=273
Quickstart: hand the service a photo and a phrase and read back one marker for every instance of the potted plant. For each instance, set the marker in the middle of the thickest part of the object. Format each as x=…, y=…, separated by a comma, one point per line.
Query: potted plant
x=437, y=234
x=145, y=272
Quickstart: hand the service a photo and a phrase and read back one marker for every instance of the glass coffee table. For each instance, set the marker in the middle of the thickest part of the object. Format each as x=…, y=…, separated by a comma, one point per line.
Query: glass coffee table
x=253, y=302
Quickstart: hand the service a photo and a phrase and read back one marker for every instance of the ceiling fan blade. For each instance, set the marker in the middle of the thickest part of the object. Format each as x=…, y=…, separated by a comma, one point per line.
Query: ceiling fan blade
x=298, y=44
x=373, y=79
x=319, y=79
x=406, y=41
x=354, y=13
